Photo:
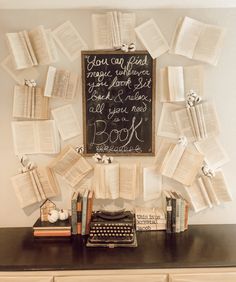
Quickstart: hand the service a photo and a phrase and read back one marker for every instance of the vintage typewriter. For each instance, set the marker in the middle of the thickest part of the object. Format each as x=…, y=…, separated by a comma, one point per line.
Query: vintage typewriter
x=112, y=229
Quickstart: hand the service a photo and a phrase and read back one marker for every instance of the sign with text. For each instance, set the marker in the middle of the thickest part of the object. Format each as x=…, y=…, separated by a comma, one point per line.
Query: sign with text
x=118, y=102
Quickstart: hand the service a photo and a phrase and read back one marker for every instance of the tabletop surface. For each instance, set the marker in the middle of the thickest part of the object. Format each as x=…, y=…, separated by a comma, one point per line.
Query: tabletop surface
x=199, y=246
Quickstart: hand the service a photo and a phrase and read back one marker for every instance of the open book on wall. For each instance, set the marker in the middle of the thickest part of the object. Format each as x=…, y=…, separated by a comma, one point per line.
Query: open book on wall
x=29, y=103
x=35, y=137
x=197, y=40
x=178, y=162
x=35, y=185
x=60, y=83
x=197, y=122
x=112, y=181
x=31, y=48
x=72, y=166
x=176, y=81
x=208, y=191
x=112, y=29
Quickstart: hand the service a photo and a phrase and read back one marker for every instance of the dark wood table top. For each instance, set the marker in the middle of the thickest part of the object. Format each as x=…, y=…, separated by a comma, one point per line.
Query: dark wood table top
x=200, y=246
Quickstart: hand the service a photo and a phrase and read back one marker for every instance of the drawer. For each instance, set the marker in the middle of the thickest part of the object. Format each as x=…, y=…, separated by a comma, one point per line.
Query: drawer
x=203, y=277
x=25, y=279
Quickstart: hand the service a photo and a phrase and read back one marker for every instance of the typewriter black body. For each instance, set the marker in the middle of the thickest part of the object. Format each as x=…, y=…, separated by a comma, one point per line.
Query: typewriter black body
x=112, y=229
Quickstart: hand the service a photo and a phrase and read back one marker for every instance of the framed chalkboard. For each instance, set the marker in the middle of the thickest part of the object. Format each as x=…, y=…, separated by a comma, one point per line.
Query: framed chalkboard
x=118, y=102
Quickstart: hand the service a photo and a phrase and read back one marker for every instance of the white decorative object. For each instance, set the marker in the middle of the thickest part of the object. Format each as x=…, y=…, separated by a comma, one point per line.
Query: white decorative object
x=53, y=216
x=63, y=214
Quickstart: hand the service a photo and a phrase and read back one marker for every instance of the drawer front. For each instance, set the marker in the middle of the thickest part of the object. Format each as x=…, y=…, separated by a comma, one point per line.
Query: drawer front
x=204, y=277
x=114, y=278
x=25, y=279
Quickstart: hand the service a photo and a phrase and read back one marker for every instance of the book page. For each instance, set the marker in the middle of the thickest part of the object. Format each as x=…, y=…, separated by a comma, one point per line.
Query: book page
x=211, y=119
x=127, y=23
x=40, y=105
x=52, y=50
x=49, y=84
x=22, y=185
x=196, y=197
x=72, y=86
x=187, y=37
x=167, y=126
x=112, y=180
x=128, y=181
x=25, y=35
x=113, y=19
x=48, y=182
x=18, y=75
x=188, y=167
x=202, y=186
x=209, y=44
x=176, y=83
x=48, y=137
x=214, y=153
x=194, y=79
x=65, y=160
x=210, y=190
x=183, y=124
x=163, y=86
x=98, y=184
x=101, y=32
x=38, y=188
x=69, y=40
x=152, y=38
x=77, y=171
x=66, y=121
x=19, y=51
x=201, y=121
x=152, y=184
x=173, y=160
x=38, y=40
x=60, y=83
x=19, y=101
x=24, y=137
x=163, y=153
x=221, y=187
x=195, y=122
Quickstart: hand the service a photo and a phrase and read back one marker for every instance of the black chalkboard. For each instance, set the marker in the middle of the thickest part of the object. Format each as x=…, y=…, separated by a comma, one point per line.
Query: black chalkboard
x=118, y=102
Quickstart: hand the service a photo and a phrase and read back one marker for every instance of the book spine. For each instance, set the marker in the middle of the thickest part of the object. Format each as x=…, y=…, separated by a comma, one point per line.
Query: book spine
x=168, y=215
x=89, y=214
x=64, y=233
x=178, y=211
x=84, y=214
x=173, y=215
x=79, y=216
x=74, y=216
x=186, y=215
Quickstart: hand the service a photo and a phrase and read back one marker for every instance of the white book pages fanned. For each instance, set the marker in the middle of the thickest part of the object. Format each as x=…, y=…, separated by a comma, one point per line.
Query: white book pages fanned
x=66, y=122
x=101, y=32
x=35, y=186
x=167, y=126
x=60, y=83
x=29, y=103
x=152, y=39
x=129, y=183
x=178, y=162
x=197, y=40
x=214, y=154
x=152, y=184
x=127, y=23
x=197, y=196
x=69, y=40
x=20, y=51
x=18, y=75
x=72, y=166
x=35, y=137
x=176, y=81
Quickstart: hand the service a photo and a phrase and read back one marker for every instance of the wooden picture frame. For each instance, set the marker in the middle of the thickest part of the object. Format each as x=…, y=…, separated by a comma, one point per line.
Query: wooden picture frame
x=118, y=102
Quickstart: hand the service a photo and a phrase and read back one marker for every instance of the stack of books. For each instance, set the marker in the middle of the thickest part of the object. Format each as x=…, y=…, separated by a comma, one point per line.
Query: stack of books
x=81, y=211
x=176, y=208
x=61, y=228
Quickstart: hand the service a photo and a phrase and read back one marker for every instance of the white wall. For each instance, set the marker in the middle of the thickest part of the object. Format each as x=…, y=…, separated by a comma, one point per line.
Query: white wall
x=220, y=86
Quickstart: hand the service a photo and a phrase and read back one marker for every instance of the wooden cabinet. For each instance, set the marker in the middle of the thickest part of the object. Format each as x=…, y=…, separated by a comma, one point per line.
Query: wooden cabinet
x=114, y=278
x=203, y=277
x=18, y=278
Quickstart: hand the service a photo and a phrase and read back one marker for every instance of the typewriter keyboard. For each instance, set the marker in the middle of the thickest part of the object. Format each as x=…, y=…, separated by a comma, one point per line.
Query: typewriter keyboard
x=111, y=233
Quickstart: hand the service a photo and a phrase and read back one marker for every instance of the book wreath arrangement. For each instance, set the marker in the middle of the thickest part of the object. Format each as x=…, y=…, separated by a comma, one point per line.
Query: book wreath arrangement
x=192, y=156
